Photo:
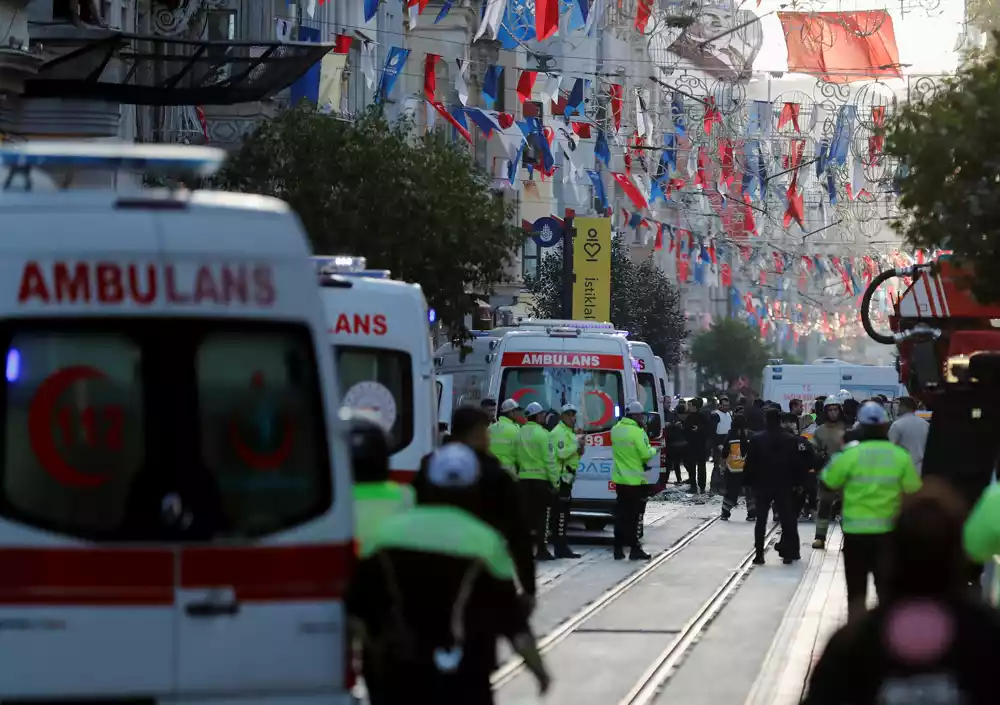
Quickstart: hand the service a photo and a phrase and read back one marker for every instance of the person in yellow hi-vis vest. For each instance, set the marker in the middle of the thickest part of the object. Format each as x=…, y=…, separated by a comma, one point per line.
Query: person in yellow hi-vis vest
x=631, y=451
x=503, y=435
x=568, y=448
x=538, y=476
x=375, y=496
x=982, y=528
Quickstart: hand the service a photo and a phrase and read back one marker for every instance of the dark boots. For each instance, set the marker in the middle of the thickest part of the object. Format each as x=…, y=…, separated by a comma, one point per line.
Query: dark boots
x=559, y=542
x=542, y=550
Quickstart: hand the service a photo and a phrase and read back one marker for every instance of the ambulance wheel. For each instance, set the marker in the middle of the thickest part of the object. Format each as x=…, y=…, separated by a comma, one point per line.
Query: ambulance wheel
x=595, y=524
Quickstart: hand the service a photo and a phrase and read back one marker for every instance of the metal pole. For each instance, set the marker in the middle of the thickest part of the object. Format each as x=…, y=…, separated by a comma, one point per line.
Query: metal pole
x=568, y=275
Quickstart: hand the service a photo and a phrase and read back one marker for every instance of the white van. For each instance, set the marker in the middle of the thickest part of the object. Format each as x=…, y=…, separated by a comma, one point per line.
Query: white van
x=175, y=491
x=826, y=376
x=468, y=364
x=576, y=364
x=379, y=329
x=649, y=393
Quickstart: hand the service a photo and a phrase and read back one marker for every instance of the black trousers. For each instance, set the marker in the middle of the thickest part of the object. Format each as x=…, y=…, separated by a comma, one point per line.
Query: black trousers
x=630, y=503
x=559, y=516
x=674, y=465
x=734, y=488
x=862, y=557
x=697, y=467
x=781, y=499
x=828, y=500
x=537, y=496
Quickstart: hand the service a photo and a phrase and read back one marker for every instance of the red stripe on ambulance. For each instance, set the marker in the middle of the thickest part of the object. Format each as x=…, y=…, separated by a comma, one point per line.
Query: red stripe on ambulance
x=271, y=573
x=143, y=284
x=558, y=359
x=86, y=577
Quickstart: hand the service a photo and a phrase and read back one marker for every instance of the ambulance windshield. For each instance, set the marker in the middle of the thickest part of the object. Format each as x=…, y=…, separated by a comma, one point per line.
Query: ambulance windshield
x=647, y=391
x=380, y=381
x=597, y=394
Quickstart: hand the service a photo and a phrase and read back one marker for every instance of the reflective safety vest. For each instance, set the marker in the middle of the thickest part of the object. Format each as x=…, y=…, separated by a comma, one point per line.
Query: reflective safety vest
x=735, y=460
x=503, y=442
x=374, y=502
x=567, y=457
x=874, y=475
x=631, y=451
x=445, y=531
x=982, y=529
x=535, y=457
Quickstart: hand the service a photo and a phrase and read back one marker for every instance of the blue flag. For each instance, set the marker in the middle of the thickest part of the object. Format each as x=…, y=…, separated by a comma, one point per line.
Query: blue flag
x=394, y=64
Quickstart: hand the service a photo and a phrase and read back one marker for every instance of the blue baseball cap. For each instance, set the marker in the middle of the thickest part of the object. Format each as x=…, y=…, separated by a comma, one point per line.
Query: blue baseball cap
x=872, y=414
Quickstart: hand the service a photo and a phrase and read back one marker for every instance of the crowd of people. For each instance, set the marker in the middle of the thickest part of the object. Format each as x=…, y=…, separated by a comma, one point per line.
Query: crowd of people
x=447, y=566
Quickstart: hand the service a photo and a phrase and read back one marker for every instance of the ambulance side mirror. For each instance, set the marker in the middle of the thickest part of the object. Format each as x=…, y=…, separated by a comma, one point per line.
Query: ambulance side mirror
x=654, y=424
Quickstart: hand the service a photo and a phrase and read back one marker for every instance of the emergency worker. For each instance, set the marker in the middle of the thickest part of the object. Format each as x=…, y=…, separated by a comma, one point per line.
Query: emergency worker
x=735, y=448
x=982, y=528
x=499, y=497
x=773, y=469
x=929, y=641
x=538, y=476
x=631, y=451
x=828, y=441
x=434, y=591
x=503, y=436
x=873, y=474
x=568, y=448
x=375, y=496
x=807, y=459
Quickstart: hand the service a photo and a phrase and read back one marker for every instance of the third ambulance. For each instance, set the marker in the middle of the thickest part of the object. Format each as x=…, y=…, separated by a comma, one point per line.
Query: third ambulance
x=644, y=363
x=580, y=363
x=175, y=487
x=826, y=376
x=380, y=333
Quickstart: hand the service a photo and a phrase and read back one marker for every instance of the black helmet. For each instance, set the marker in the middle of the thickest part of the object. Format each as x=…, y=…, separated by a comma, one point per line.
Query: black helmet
x=369, y=446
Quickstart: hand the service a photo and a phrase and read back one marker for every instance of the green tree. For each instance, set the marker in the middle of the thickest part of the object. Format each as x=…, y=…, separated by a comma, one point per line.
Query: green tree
x=417, y=206
x=643, y=301
x=728, y=350
x=949, y=146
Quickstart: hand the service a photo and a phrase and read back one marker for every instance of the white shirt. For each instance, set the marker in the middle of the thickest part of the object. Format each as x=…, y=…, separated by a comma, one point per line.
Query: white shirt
x=725, y=422
x=910, y=432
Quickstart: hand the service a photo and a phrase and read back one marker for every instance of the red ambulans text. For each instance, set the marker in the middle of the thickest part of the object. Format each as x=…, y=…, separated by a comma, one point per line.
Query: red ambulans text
x=538, y=359
x=110, y=283
x=360, y=324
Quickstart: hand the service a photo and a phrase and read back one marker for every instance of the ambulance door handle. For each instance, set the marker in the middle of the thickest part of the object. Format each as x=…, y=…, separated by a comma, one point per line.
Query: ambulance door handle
x=211, y=608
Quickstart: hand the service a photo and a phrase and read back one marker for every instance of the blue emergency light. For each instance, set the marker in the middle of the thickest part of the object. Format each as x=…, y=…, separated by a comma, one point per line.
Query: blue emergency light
x=148, y=158
x=345, y=266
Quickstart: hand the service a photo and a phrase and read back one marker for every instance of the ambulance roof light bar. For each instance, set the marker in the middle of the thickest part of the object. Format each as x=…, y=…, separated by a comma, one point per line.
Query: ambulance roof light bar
x=169, y=160
x=560, y=323
x=346, y=266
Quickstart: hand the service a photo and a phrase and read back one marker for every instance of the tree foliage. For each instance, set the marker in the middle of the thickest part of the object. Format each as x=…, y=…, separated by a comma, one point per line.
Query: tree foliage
x=728, y=350
x=949, y=145
x=643, y=301
x=417, y=206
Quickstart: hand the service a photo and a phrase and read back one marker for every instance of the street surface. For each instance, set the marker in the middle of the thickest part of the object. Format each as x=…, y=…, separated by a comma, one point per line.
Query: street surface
x=697, y=626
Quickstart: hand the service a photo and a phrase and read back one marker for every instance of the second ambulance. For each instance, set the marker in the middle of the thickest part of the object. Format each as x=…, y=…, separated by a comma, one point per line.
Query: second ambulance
x=580, y=363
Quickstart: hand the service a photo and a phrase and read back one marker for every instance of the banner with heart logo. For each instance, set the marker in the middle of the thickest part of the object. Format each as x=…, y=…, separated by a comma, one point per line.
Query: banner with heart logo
x=592, y=267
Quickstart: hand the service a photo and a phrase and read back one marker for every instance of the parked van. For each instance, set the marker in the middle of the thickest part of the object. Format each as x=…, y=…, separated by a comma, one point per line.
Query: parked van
x=379, y=329
x=175, y=505
x=559, y=362
x=826, y=376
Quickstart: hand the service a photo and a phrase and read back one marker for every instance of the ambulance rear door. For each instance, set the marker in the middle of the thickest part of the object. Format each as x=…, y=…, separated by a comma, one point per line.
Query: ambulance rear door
x=379, y=331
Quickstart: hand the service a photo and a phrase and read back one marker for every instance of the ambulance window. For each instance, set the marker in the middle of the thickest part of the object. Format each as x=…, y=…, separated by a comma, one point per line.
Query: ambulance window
x=380, y=381
x=261, y=427
x=74, y=438
x=647, y=391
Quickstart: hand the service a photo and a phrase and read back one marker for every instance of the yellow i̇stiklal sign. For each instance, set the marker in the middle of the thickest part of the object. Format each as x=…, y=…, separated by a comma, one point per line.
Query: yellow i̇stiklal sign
x=592, y=267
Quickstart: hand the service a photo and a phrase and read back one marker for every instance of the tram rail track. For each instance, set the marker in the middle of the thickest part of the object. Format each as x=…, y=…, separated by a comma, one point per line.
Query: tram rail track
x=512, y=667
x=648, y=687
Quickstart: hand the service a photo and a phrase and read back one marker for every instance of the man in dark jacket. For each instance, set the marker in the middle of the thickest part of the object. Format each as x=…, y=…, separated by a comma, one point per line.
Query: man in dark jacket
x=499, y=503
x=773, y=469
x=698, y=432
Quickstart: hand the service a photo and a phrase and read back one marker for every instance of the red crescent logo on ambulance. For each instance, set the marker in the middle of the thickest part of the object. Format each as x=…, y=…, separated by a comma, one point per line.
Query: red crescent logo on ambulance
x=41, y=413
x=263, y=462
x=609, y=408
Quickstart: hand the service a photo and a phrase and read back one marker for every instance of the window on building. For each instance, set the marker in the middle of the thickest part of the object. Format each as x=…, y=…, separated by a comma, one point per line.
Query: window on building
x=529, y=258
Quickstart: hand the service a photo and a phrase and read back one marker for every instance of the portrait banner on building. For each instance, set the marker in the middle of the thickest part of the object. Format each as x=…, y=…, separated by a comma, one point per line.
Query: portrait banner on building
x=592, y=269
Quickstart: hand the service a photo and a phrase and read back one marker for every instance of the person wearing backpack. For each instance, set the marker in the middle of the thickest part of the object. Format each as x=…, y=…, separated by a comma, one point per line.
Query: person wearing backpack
x=433, y=593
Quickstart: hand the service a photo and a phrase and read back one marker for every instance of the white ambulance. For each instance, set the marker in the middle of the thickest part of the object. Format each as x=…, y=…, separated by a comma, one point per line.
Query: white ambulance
x=580, y=363
x=826, y=376
x=175, y=489
x=468, y=365
x=380, y=331
x=665, y=384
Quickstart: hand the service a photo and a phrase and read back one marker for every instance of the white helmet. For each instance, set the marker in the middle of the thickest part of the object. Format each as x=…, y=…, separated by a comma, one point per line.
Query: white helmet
x=569, y=408
x=508, y=406
x=844, y=395
x=634, y=407
x=533, y=408
x=832, y=400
